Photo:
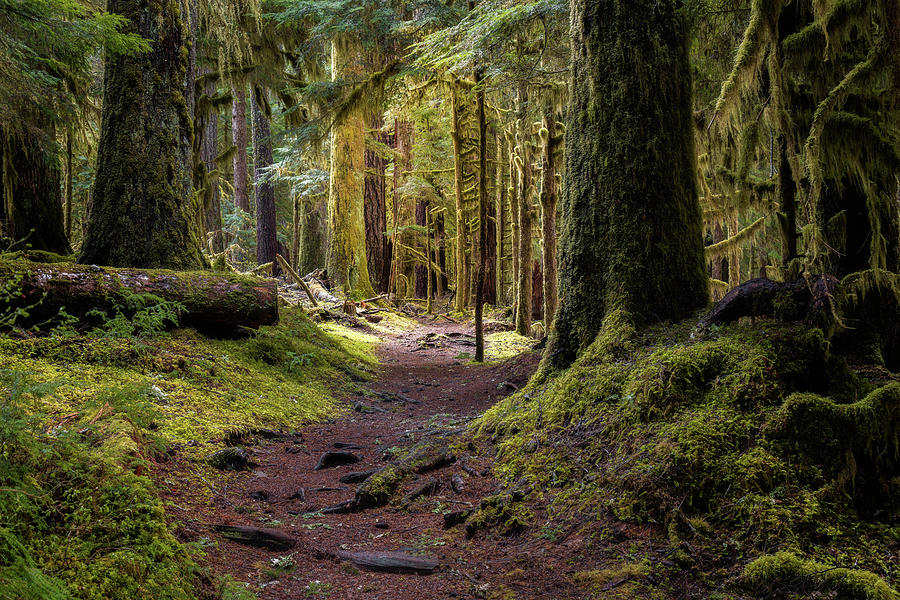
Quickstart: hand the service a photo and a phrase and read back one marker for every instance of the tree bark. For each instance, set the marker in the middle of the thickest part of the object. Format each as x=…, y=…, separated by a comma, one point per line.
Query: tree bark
x=513, y=193
x=29, y=190
x=480, y=270
x=421, y=269
x=500, y=212
x=209, y=149
x=526, y=185
x=375, y=206
x=213, y=301
x=345, y=258
x=551, y=141
x=456, y=138
x=143, y=213
x=266, y=223
x=67, y=218
x=239, y=139
x=631, y=233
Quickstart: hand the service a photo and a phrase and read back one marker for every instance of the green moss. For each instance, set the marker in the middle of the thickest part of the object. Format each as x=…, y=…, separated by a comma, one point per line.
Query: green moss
x=759, y=433
x=785, y=573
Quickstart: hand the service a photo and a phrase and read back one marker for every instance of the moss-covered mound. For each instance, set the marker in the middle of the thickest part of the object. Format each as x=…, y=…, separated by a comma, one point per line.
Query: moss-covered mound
x=744, y=440
x=84, y=416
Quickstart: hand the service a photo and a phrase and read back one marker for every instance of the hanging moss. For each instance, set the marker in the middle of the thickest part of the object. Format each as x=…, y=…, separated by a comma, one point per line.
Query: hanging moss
x=631, y=234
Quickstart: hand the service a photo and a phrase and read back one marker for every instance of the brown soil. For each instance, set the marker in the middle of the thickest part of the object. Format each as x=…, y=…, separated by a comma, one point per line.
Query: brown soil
x=450, y=392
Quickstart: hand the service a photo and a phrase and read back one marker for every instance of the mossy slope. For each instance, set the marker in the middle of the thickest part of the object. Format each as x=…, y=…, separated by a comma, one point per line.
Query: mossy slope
x=84, y=418
x=744, y=440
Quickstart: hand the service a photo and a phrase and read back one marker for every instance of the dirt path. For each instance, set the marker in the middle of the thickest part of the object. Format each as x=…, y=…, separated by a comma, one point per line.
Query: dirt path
x=286, y=492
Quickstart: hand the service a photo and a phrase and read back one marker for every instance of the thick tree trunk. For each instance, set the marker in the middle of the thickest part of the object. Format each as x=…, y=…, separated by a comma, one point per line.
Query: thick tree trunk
x=375, y=207
x=345, y=258
x=551, y=141
x=266, y=223
x=143, y=213
x=239, y=139
x=212, y=301
x=631, y=233
x=29, y=190
x=526, y=188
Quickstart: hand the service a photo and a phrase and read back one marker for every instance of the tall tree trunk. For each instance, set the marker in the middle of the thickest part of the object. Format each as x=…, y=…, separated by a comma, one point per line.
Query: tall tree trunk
x=513, y=193
x=70, y=176
x=403, y=152
x=345, y=258
x=266, y=224
x=631, y=233
x=312, y=234
x=443, y=280
x=551, y=141
x=209, y=149
x=421, y=268
x=429, y=292
x=29, y=189
x=456, y=137
x=788, y=214
x=143, y=213
x=482, y=256
x=526, y=189
x=375, y=207
x=500, y=212
x=239, y=139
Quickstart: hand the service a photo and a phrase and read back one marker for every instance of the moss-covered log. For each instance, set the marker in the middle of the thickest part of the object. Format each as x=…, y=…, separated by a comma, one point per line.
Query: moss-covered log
x=631, y=234
x=214, y=302
x=143, y=213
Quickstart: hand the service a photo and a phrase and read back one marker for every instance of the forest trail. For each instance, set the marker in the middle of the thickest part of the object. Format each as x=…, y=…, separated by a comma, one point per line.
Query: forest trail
x=432, y=389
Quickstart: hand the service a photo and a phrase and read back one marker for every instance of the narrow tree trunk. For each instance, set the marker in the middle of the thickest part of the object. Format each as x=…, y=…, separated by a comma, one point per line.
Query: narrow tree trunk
x=443, y=280
x=460, y=271
x=787, y=203
x=631, y=234
x=526, y=185
x=421, y=268
x=266, y=223
x=375, y=207
x=500, y=212
x=513, y=192
x=549, y=196
x=482, y=219
x=295, y=232
x=29, y=188
x=345, y=257
x=209, y=149
x=239, y=139
x=69, y=178
x=429, y=292
x=142, y=213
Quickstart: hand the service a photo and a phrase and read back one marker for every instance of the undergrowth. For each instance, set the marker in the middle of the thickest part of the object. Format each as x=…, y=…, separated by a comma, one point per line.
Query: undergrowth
x=736, y=443
x=87, y=411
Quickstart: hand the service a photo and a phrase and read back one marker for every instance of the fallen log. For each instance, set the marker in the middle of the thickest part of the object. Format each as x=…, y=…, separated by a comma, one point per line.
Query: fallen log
x=273, y=539
x=391, y=562
x=213, y=301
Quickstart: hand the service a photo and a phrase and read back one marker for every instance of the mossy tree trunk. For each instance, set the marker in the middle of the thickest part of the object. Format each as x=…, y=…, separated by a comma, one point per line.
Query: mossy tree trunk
x=525, y=189
x=482, y=256
x=312, y=234
x=239, y=139
x=500, y=212
x=513, y=194
x=456, y=137
x=345, y=258
x=208, y=125
x=266, y=224
x=67, y=202
x=29, y=189
x=421, y=268
x=378, y=250
x=550, y=145
x=143, y=213
x=631, y=232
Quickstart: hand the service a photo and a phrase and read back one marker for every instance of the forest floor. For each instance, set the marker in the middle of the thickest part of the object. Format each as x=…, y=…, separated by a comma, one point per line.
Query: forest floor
x=434, y=389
